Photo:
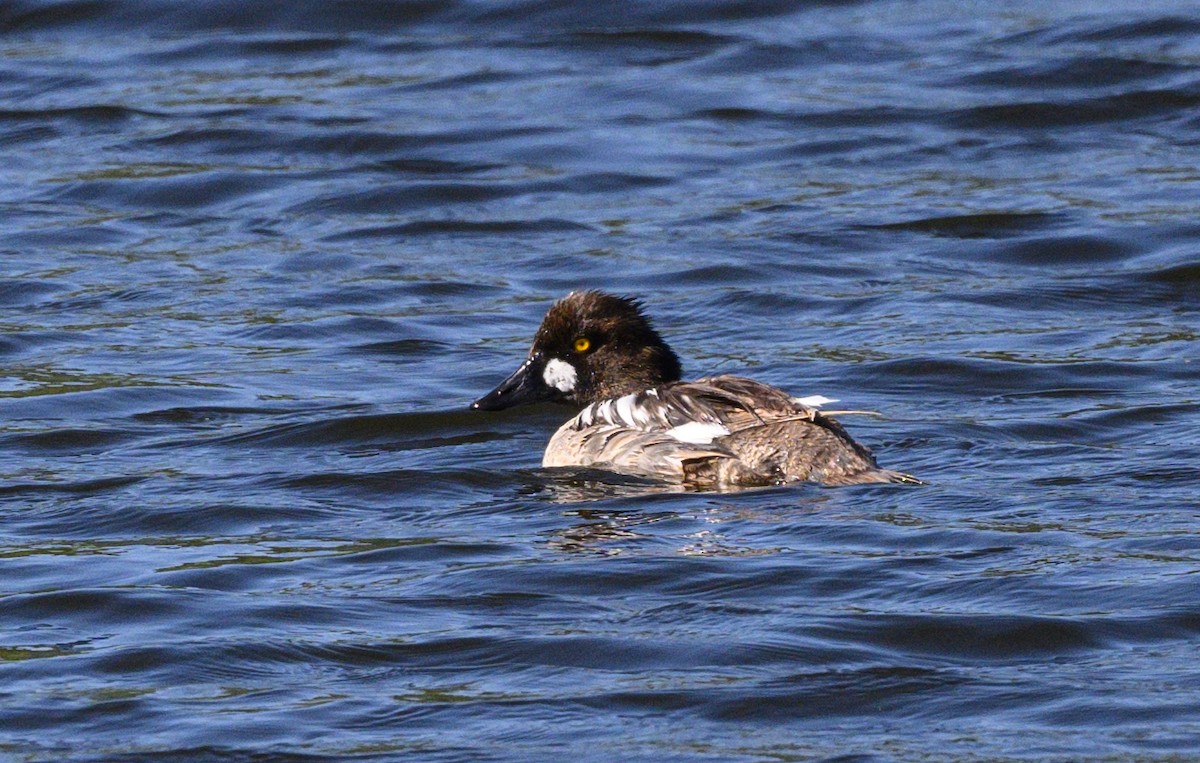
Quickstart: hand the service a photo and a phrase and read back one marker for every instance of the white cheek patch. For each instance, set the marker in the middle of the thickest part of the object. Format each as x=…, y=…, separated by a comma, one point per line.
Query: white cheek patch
x=560, y=375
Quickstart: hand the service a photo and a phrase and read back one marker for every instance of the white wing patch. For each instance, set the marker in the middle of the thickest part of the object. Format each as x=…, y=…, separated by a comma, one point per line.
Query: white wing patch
x=646, y=412
x=814, y=401
x=625, y=410
x=635, y=411
x=689, y=413
x=697, y=432
x=604, y=411
x=560, y=375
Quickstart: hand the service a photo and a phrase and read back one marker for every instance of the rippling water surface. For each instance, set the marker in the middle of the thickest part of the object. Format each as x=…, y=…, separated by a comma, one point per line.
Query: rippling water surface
x=259, y=257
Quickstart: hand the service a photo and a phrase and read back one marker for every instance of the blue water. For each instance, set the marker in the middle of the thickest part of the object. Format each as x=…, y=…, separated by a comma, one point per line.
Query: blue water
x=257, y=259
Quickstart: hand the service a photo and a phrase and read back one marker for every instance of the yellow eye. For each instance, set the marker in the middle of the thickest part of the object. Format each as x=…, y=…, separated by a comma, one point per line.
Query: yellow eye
x=582, y=344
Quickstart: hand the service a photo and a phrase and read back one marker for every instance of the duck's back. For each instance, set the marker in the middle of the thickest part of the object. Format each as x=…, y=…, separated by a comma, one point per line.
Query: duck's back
x=723, y=430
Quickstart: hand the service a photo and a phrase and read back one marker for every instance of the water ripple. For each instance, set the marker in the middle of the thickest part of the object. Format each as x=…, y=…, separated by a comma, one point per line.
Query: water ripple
x=260, y=257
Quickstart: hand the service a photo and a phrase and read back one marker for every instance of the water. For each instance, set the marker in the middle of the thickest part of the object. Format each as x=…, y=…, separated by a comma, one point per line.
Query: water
x=258, y=258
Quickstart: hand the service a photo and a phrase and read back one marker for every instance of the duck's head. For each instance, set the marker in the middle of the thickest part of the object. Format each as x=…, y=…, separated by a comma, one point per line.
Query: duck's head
x=591, y=346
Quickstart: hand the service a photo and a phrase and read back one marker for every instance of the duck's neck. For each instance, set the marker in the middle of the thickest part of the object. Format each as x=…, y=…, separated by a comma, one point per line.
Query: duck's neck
x=654, y=366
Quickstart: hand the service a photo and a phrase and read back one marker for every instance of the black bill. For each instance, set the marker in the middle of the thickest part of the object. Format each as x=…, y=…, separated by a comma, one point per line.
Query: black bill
x=524, y=386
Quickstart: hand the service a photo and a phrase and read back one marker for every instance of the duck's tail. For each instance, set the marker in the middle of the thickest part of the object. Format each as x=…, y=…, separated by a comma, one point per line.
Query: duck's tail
x=874, y=476
x=907, y=479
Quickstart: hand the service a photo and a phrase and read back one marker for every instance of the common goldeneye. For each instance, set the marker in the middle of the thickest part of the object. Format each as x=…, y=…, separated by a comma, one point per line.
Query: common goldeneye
x=599, y=351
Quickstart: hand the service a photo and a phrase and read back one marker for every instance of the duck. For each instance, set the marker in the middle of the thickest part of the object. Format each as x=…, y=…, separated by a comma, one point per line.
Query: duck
x=600, y=353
